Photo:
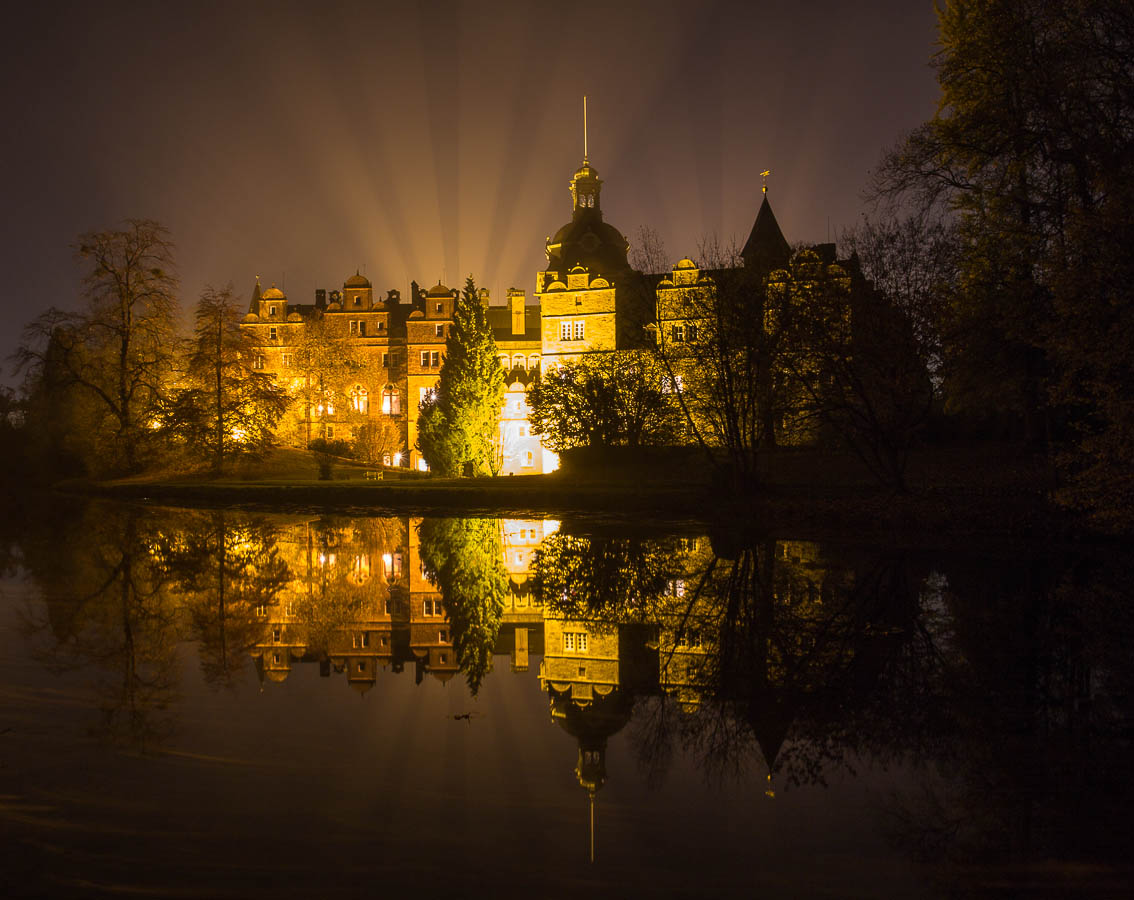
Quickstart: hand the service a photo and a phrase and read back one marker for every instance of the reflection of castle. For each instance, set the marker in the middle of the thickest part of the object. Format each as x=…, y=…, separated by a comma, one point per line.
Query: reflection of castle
x=360, y=602
x=588, y=299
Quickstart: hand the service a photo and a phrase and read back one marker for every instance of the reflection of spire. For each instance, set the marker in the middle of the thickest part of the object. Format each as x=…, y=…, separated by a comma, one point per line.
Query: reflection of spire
x=584, y=129
x=770, y=790
x=591, y=795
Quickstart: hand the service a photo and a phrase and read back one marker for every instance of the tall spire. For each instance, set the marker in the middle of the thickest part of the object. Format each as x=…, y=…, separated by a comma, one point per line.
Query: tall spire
x=584, y=129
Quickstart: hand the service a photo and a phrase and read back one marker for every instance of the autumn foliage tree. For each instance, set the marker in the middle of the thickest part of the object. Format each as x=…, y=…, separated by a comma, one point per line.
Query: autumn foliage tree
x=225, y=408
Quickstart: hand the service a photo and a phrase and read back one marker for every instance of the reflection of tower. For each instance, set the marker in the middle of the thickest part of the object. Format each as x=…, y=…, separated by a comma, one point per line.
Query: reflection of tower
x=591, y=724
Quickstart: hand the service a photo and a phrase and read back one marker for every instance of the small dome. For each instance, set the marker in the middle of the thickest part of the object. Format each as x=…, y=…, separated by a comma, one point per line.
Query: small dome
x=685, y=263
x=294, y=317
x=357, y=281
x=273, y=293
x=586, y=171
x=439, y=290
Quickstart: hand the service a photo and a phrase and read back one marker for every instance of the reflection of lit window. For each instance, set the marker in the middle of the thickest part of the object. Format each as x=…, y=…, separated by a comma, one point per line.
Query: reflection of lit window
x=276, y=658
x=442, y=635
x=261, y=610
x=258, y=362
x=362, y=640
x=361, y=667
x=439, y=331
x=361, y=568
x=276, y=634
x=679, y=334
x=444, y=659
x=575, y=642
x=392, y=565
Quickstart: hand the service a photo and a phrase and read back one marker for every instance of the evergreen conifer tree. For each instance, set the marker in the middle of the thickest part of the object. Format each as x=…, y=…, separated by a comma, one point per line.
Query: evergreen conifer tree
x=457, y=427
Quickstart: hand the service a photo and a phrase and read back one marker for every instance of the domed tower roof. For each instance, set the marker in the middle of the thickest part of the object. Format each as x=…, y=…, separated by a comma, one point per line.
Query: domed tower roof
x=587, y=240
x=357, y=281
x=273, y=293
x=438, y=291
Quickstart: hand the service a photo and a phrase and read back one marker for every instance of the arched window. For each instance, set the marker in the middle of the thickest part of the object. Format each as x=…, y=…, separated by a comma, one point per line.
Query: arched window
x=359, y=400
x=391, y=400
x=533, y=361
x=518, y=362
x=505, y=361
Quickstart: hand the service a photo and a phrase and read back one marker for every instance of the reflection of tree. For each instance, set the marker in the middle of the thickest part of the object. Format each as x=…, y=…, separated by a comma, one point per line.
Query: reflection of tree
x=464, y=558
x=1033, y=737
x=108, y=608
x=605, y=578
x=226, y=567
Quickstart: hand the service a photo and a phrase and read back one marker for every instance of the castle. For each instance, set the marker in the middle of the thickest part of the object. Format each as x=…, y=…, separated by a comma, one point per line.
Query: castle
x=588, y=299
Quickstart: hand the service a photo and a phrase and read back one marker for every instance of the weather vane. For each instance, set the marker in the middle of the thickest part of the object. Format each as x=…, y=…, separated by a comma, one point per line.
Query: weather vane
x=765, y=175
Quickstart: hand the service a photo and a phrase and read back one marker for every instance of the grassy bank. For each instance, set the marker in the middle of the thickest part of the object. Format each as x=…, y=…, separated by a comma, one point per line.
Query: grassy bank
x=961, y=492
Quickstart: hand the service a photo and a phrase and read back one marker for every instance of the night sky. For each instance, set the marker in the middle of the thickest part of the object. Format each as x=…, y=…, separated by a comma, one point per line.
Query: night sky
x=424, y=141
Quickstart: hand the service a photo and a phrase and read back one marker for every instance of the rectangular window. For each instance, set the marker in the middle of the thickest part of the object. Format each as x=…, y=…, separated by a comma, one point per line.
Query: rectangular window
x=678, y=334
x=579, y=331
x=258, y=362
x=362, y=329
x=287, y=360
x=435, y=359
x=564, y=331
x=425, y=359
x=362, y=639
x=691, y=332
x=442, y=636
x=440, y=306
x=439, y=330
x=271, y=310
x=353, y=326
x=272, y=333
x=575, y=642
x=330, y=432
x=385, y=360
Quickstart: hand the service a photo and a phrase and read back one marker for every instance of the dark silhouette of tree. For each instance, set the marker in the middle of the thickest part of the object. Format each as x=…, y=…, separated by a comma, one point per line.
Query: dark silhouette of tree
x=1033, y=146
x=457, y=428
x=464, y=558
x=119, y=347
x=604, y=400
x=227, y=409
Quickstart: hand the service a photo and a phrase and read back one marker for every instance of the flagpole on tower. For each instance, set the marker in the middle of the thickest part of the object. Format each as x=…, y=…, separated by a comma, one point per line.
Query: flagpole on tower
x=584, y=127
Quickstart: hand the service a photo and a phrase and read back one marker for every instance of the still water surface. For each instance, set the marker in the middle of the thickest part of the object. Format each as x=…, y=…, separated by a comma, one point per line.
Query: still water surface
x=231, y=705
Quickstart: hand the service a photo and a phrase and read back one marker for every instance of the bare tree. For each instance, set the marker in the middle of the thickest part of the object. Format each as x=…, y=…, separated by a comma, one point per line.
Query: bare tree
x=119, y=346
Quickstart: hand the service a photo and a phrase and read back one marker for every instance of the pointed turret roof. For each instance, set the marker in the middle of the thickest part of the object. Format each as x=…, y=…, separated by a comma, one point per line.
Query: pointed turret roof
x=254, y=306
x=766, y=248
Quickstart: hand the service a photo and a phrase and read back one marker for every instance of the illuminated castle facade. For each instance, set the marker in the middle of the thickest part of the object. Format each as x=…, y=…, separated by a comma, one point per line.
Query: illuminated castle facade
x=588, y=299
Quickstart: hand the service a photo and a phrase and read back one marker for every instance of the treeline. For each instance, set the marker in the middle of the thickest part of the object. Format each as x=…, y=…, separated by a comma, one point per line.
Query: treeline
x=112, y=387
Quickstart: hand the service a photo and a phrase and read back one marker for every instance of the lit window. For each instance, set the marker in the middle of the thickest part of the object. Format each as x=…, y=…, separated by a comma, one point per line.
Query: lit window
x=529, y=459
x=518, y=362
x=359, y=399
x=271, y=310
x=679, y=334
x=258, y=362
x=276, y=635
x=439, y=330
x=579, y=331
x=358, y=299
x=287, y=360
x=330, y=429
x=564, y=331
x=440, y=306
x=426, y=393
x=362, y=640
x=391, y=401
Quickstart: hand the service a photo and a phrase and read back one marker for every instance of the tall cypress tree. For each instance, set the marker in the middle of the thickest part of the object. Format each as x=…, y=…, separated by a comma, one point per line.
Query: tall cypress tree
x=457, y=429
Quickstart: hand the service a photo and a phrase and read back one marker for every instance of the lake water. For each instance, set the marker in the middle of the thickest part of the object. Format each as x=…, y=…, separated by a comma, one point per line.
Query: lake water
x=212, y=704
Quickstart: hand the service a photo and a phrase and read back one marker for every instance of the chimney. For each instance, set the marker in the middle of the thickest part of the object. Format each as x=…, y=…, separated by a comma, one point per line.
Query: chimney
x=516, y=305
x=320, y=299
x=484, y=299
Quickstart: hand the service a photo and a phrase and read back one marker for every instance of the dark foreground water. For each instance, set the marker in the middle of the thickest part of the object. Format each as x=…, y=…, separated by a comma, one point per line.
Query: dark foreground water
x=204, y=704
